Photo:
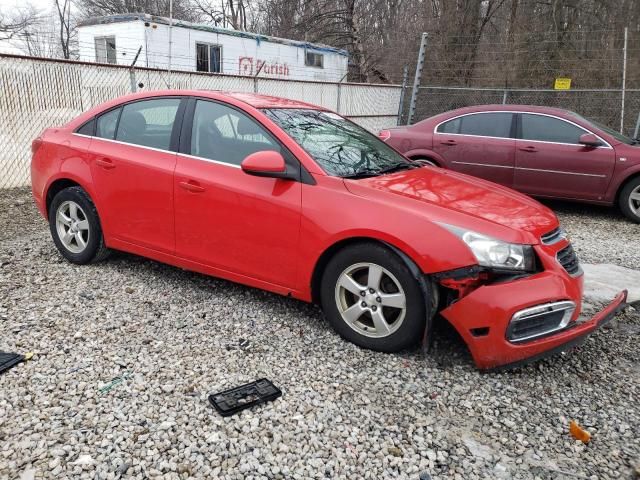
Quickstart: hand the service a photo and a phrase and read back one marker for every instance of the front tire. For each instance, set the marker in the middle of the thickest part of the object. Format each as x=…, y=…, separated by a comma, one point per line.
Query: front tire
x=629, y=200
x=75, y=227
x=426, y=161
x=371, y=298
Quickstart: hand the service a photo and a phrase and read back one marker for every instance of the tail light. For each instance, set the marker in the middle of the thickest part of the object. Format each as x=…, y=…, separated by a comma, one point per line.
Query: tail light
x=35, y=145
x=384, y=135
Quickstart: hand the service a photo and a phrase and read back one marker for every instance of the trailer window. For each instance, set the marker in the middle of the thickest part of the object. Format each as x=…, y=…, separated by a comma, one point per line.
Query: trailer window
x=313, y=59
x=208, y=58
x=105, y=49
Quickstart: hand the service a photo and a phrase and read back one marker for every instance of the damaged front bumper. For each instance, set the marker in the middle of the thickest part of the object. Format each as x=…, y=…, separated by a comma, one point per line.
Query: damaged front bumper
x=485, y=318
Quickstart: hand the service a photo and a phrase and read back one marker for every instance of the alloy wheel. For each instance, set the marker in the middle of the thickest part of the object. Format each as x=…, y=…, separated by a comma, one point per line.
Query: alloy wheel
x=634, y=201
x=72, y=226
x=370, y=300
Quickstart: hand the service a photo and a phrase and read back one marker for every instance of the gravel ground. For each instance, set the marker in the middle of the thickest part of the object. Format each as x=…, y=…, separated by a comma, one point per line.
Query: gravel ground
x=173, y=337
x=600, y=234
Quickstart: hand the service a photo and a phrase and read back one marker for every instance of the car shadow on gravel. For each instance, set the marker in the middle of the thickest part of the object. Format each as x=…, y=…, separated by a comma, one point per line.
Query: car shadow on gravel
x=447, y=349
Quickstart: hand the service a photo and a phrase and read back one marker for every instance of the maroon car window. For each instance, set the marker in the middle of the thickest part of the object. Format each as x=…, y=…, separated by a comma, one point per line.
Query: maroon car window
x=148, y=123
x=496, y=124
x=106, y=125
x=452, y=126
x=224, y=134
x=487, y=124
x=549, y=129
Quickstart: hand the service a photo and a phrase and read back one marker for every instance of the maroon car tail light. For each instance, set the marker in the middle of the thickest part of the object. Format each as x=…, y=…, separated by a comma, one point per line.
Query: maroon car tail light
x=384, y=135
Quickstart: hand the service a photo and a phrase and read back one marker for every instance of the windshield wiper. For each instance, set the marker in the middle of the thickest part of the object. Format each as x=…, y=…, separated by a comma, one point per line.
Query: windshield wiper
x=364, y=173
x=370, y=172
x=398, y=166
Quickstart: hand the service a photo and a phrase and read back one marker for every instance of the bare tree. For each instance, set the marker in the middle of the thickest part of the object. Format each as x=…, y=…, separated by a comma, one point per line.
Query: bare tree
x=18, y=21
x=226, y=13
x=182, y=9
x=66, y=30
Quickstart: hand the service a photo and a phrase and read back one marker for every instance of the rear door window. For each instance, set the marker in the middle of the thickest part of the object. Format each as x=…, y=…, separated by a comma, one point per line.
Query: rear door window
x=487, y=124
x=107, y=123
x=148, y=123
x=549, y=129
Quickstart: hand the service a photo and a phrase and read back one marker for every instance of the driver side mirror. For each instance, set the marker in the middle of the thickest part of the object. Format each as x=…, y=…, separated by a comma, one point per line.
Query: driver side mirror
x=589, y=140
x=266, y=163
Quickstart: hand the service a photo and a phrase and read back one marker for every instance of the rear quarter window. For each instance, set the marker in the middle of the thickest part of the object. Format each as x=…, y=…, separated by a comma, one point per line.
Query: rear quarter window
x=452, y=126
x=87, y=128
x=106, y=124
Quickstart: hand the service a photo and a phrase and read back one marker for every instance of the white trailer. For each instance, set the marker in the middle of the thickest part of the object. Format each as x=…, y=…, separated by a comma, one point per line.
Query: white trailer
x=116, y=39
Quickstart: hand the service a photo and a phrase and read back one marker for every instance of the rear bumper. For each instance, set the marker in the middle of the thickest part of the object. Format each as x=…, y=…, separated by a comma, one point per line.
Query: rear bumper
x=483, y=316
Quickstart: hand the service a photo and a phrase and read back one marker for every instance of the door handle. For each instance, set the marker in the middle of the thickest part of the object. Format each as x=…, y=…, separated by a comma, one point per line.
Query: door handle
x=105, y=163
x=529, y=148
x=449, y=142
x=192, y=186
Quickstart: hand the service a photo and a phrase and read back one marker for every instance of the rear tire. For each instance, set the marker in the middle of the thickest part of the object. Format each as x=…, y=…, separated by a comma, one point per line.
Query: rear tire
x=75, y=227
x=629, y=200
x=371, y=298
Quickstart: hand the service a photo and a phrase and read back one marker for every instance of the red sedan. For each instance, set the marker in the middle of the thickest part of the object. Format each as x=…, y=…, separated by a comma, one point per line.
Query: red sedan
x=294, y=199
x=544, y=152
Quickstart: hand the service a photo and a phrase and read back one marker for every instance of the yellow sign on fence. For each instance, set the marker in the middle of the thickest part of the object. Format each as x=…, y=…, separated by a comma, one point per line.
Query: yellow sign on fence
x=562, y=84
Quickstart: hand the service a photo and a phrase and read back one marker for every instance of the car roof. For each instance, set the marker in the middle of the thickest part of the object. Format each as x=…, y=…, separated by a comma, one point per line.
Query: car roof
x=257, y=100
x=500, y=108
x=513, y=107
x=253, y=100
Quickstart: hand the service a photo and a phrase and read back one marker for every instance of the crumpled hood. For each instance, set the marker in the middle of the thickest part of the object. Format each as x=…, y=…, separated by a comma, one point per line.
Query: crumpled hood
x=462, y=193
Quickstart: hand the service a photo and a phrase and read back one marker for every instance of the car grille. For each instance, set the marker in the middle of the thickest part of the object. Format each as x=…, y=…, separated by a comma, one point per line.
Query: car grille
x=540, y=321
x=569, y=260
x=553, y=236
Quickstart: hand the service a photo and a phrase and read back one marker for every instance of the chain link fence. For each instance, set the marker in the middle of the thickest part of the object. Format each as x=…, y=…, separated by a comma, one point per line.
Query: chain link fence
x=40, y=93
x=603, y=106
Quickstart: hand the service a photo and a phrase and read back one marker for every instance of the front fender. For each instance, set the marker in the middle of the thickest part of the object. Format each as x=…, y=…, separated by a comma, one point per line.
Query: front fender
x=332, y=215
x=619, y=179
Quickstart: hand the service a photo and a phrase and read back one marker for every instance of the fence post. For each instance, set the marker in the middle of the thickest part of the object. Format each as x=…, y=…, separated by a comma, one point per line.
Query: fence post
x=255, y=78
x=338, y=97
x=170, y=42
x=504, y=96
x=636, y=131
x=416, y=80
x=405, y=78
x=132, y=71
x=624, y=78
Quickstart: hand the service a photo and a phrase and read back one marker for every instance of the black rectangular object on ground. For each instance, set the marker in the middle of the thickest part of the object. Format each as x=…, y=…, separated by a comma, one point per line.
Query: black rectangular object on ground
x=237, y=399
x=8, y=360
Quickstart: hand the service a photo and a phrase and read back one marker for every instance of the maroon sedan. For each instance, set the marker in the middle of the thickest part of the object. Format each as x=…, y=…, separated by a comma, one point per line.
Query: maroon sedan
x=545, y=152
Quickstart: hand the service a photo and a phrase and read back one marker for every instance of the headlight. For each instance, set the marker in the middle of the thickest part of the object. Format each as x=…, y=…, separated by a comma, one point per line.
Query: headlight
x=495, y=253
